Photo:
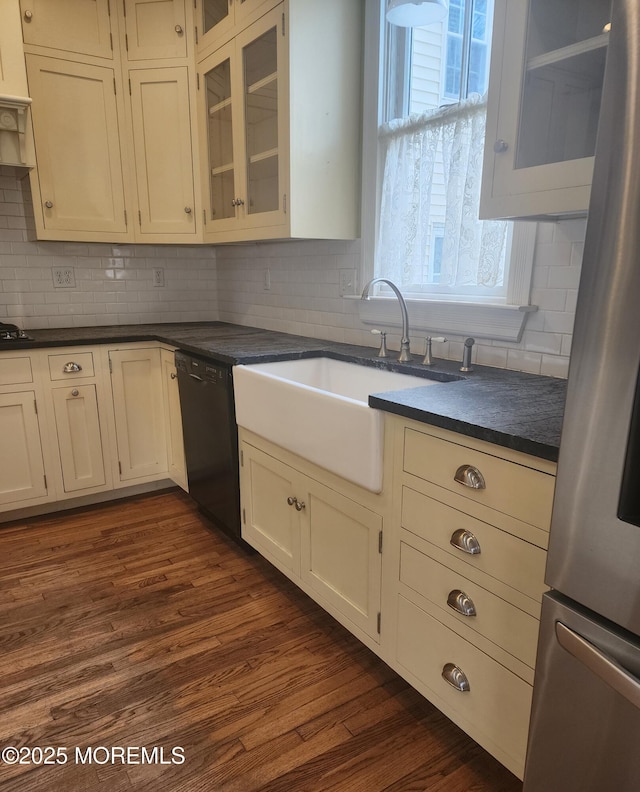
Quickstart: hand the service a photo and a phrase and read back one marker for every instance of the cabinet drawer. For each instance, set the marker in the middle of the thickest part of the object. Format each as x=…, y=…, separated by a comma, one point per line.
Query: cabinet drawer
x=15, y=370
x=488, y=615
x=71, y=365
x=516, y=490
x=494, y=711
x=502, y=556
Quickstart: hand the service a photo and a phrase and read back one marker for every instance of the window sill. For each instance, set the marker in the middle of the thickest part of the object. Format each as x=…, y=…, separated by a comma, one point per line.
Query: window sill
x=495, y=322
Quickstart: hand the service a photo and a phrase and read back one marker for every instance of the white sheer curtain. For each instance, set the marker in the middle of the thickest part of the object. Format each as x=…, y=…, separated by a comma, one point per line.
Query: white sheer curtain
x=417, y=150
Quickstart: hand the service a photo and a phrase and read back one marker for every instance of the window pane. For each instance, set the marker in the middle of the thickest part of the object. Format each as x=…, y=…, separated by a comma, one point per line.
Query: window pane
x=456, y=16
x=478, y=68
x=453, y=74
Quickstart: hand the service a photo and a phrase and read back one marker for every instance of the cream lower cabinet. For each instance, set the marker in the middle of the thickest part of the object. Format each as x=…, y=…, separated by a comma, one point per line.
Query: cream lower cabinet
x=138, y=407
x=464, y=580
x=77, y=403
x=22, y=476
x=322, y=538
x=173, y=420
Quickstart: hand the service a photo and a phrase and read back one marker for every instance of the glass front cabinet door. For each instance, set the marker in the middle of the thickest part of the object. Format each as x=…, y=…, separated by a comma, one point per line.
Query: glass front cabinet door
x=244, y=137
x=543, y=108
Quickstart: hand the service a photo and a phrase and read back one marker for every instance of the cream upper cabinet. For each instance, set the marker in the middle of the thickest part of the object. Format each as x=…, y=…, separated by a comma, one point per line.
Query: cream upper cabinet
x=547, y=71
x=13, y=77
x=136, y=379
x=160, y=113
x=219, y=20
x=155, y=29
x=280, y=121
x=15, y=148
x=114, y=143
x=80, y=190
x=82, y=27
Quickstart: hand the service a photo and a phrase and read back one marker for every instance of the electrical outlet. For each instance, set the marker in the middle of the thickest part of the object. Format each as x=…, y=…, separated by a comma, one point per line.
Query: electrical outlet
x=158, y=276
x=347, y=282
x=63, y=278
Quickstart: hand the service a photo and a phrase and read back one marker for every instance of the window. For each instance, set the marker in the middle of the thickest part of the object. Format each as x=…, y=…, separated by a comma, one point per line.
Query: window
x=431, y=146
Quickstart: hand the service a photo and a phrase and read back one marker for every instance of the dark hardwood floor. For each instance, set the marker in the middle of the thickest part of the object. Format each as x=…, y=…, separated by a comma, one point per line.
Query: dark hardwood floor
x=136, y=624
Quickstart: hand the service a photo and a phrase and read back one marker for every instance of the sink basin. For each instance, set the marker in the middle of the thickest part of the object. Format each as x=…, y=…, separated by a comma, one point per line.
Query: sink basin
x=317, y=408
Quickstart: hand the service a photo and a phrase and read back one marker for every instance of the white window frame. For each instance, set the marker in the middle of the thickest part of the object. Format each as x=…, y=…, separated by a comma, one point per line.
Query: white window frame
x=503, y=321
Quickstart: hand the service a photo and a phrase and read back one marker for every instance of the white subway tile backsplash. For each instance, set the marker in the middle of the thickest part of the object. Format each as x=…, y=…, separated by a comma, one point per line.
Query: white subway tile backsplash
x=114, y=285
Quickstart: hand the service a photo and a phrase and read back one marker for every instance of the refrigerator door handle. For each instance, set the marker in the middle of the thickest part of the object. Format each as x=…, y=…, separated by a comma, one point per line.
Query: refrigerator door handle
x=603, y=666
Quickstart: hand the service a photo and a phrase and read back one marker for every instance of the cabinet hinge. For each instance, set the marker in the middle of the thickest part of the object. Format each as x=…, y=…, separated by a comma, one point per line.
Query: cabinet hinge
x=114, y=87
x=129, y=86
x=110, y=366
x=244, y=517
x=35, y=406
x=120, y=471
x=380, y=542
x=124, y=7
x=140, y=218
x=46, y=486
x=126, y=219
x=108, y=8
x=198, y=80
x=196, y=34
x=111, y=41
x=283, y=28
x=204, y=214
x=126, y=42
x=241, y=458
x=284, y=203
x=379, y=620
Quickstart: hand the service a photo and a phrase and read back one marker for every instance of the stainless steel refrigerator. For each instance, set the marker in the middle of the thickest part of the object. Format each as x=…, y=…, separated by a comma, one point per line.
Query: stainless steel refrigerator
x=585, y=724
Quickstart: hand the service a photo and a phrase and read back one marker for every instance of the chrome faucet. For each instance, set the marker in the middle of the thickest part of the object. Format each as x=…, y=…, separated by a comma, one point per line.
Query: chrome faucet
x=405, y=352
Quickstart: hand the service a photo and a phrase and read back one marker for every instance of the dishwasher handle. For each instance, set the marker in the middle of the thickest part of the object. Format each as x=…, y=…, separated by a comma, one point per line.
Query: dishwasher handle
x=196, y=377
x=603, y=666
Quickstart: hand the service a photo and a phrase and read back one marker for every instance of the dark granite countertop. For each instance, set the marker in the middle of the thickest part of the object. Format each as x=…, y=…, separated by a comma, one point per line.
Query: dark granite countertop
x=511, y=409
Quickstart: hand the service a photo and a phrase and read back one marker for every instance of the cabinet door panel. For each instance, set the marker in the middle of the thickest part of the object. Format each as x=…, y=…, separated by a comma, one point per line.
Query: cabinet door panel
x=70, y=25
x=21, y=463
x=341, y=555
x=155, y=29
x=79, y=437
x=75, y=122
x=175, y=440
x=139, y=412
x=270, y=523
x=162, y=139
x=13, y=78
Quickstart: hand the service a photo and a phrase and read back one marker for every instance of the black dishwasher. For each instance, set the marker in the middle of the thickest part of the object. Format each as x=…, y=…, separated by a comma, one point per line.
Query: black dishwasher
x=210, y=439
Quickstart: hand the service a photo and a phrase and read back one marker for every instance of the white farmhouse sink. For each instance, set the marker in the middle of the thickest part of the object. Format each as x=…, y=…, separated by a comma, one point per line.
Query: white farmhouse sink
x=317, y=408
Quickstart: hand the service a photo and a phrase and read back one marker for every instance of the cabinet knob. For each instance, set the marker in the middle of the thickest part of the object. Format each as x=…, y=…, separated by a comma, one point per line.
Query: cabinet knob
x=291, y=500
x=179, y=30
x=187, y=210
x=299, y=505
x=500, y=146
x=237, y=202
x=174, y=375
x=456, y=677
x=28, y=16
x=75, y=392
x=465, y=541
x=470, y=476
x=461, y=603
x=49, y=204
x=71, y=367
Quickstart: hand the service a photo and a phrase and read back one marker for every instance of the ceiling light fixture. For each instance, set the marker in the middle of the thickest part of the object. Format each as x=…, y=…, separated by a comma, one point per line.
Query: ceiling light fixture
x=416, y=13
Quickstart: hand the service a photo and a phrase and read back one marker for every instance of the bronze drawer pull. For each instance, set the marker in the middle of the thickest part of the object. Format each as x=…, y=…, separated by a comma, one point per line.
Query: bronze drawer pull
x=461, y=603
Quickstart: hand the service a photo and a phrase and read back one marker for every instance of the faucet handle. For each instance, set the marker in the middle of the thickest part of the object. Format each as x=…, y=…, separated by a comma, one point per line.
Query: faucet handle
x=427, y=360
x=382, y=352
